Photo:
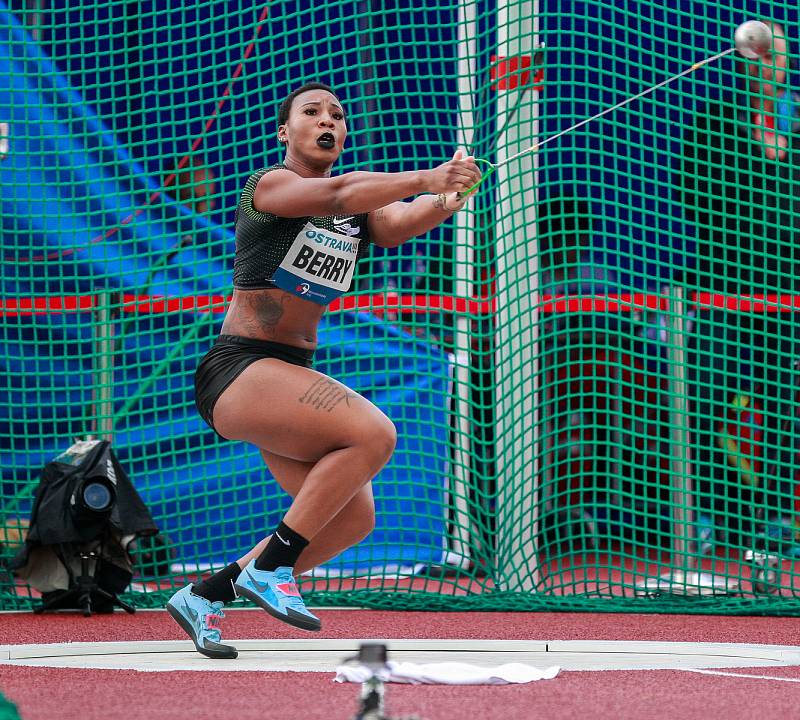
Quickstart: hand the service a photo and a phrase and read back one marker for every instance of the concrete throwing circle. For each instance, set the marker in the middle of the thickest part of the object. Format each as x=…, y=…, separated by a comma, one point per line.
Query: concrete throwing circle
x=326, y=655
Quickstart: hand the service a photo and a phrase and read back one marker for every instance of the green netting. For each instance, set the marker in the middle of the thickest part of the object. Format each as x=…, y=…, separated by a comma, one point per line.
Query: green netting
x=8, y=711
x=591, y=368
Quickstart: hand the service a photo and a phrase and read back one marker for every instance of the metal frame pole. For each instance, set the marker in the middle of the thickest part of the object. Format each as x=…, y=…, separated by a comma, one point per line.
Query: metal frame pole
x=517, y=382
x=103, y=410
x=463, y=273
x=684, y=578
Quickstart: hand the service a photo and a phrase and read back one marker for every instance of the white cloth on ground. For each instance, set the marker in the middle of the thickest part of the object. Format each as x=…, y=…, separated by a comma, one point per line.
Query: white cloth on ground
x=446, y=673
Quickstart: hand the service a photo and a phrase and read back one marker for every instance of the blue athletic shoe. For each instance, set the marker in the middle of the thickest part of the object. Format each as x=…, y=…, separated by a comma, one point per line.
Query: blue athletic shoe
x=200, y=619
x=276, y=592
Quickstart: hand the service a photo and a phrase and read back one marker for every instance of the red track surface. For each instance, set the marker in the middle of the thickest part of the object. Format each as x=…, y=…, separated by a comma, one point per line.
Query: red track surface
x=68, y=694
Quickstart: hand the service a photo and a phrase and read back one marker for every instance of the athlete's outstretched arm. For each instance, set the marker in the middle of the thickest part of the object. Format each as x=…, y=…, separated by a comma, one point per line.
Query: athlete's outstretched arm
x=393, y=224
x=286, y=194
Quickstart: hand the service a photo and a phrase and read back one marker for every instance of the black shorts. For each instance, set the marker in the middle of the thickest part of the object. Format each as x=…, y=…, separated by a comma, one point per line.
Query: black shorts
x=228, y=358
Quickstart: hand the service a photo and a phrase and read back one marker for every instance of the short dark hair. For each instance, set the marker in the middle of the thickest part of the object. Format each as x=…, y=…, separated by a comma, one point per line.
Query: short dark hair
x=286, y=105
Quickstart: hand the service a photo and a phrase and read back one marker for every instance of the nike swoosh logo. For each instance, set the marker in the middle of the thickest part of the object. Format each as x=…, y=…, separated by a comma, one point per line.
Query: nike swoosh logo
x=339, y=221
x=261, y=587
x=285, y=542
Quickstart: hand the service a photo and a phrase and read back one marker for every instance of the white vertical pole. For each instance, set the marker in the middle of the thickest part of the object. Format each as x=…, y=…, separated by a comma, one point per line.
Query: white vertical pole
x=104, y=366
x=463, y=273
x=366, y=70
x=683, y=578
x=517, y=352
x=681, y=466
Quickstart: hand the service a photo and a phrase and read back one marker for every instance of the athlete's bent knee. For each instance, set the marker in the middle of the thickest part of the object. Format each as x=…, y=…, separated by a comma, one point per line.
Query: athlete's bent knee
x=383, y=440
x=363, y=526
x=375, y=444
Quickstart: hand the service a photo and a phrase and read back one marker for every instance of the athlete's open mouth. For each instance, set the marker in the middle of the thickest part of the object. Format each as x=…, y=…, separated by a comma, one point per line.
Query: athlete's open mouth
x=326, y=140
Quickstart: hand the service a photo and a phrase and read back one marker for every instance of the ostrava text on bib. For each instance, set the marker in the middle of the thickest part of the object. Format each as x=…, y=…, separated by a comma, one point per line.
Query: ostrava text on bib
x=319, y=265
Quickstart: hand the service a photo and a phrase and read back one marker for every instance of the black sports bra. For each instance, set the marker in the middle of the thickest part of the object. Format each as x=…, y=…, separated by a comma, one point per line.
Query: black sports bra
x=312, y=257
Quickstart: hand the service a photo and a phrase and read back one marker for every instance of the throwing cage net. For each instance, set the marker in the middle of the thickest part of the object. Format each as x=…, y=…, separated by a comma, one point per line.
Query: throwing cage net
x=592, y=368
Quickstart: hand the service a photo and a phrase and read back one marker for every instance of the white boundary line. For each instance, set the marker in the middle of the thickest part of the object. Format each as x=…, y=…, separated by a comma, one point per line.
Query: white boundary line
x=741, y=675
x=324, y=655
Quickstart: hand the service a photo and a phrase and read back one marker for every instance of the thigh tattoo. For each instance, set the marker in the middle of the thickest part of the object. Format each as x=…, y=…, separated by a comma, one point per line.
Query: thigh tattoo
x=326, y=394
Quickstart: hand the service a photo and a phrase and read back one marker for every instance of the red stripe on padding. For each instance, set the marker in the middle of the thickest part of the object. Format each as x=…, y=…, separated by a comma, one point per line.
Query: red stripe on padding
x=509, y=73
x=403, y=304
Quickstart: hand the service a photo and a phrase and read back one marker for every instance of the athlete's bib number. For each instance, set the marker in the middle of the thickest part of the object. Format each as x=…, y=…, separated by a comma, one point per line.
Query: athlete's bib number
x=319, y=266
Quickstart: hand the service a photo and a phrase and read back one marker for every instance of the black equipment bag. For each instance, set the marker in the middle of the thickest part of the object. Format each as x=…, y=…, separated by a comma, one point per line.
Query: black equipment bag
x=85, y=514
